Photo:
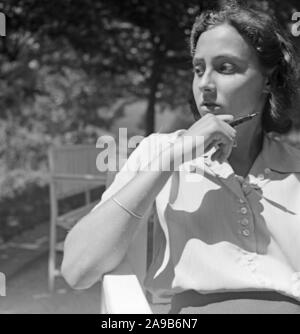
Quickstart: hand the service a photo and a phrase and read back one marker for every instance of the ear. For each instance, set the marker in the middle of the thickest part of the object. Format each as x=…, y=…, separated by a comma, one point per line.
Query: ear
x=267, y=82
x=267, y=85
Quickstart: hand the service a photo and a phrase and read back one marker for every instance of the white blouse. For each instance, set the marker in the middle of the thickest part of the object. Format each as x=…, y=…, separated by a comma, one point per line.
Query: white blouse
x=219, y=232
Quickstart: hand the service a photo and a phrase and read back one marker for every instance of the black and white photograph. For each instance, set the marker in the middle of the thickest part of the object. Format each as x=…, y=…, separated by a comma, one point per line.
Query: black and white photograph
x=150, y=159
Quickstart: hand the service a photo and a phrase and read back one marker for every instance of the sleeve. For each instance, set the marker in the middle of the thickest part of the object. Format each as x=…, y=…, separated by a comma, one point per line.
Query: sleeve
x=127, y=172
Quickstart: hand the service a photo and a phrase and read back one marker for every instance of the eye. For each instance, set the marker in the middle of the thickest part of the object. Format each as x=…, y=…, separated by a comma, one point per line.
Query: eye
x=227, y=68
x=199, y=70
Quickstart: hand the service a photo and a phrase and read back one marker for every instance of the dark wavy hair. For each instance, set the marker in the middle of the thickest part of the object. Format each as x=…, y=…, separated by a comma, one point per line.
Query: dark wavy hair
x=274, y=51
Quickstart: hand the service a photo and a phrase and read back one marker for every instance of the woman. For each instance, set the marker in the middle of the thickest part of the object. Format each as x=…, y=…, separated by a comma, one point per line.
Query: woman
x=232, y=236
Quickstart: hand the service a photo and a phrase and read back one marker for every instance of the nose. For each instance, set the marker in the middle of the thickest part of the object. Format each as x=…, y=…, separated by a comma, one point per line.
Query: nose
x=206, y=84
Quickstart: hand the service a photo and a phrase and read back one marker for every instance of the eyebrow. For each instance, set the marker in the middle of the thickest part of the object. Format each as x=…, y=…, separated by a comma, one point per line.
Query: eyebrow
x=197, y=60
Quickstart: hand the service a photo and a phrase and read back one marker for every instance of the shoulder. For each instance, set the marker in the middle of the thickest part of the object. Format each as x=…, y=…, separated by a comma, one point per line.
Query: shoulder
x=152, y=145
x=282, y=154
x=163, y=137
x=158, y=140
x=138, y=159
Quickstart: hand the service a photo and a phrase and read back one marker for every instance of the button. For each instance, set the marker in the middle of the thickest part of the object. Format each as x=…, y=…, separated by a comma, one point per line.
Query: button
x=241, y=201
x=244, y=221
x=260, y=177
x=244, y=210
x=246, y=233
x=245, y=185
x=267, y=170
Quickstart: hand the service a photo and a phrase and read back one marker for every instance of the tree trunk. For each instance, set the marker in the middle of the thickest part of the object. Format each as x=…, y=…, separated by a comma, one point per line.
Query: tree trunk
x=153, y=85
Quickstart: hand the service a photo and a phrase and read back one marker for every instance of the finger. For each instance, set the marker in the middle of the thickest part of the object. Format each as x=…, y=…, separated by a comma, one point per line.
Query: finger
x=217, y=155
x=214, y=143
x=224, y=147
x=210, y=146
x=226, y=150
x=230, y=132
x=226, y=118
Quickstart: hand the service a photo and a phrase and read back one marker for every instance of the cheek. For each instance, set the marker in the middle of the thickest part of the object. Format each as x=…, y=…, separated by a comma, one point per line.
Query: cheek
x=243, y=92
x=195, y=89
x=196, y=93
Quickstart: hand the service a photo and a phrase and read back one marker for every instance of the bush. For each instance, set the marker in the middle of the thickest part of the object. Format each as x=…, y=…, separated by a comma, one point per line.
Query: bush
x=24, y=202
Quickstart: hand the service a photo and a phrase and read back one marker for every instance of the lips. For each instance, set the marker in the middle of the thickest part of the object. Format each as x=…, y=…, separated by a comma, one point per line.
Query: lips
x=209, y=104
x=209, y=107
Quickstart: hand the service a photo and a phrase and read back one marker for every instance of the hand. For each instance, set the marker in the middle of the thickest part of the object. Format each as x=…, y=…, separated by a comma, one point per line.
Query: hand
x=210, y=131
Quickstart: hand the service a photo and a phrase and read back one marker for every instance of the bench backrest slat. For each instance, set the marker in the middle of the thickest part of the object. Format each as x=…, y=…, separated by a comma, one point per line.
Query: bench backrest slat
x=73, y=169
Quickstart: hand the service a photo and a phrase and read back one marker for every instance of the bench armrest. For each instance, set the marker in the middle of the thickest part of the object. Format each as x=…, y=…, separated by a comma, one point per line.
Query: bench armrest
x=122, y=293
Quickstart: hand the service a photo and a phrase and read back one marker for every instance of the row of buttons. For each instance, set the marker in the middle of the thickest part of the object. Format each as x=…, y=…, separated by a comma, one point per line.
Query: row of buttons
x=245, y=221
x=244, y=211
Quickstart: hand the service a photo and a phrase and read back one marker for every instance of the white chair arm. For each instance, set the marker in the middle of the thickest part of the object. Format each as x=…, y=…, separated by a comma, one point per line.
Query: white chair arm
x=122, y=293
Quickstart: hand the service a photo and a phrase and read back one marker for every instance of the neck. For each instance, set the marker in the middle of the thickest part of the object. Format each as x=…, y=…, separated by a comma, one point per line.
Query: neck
x=249, y=143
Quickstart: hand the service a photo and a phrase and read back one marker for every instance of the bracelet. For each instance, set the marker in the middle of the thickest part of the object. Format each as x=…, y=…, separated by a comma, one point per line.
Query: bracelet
x=126, y=209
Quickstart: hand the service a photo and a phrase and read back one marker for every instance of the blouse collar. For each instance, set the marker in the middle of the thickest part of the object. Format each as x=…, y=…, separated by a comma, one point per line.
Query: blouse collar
x=276, y=154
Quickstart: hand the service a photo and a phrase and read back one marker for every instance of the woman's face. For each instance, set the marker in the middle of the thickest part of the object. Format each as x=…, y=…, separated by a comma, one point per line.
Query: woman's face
x=228, y=77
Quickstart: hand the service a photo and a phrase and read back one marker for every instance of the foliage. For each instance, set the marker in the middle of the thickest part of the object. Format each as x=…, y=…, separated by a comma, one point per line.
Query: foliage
x=68, y=68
